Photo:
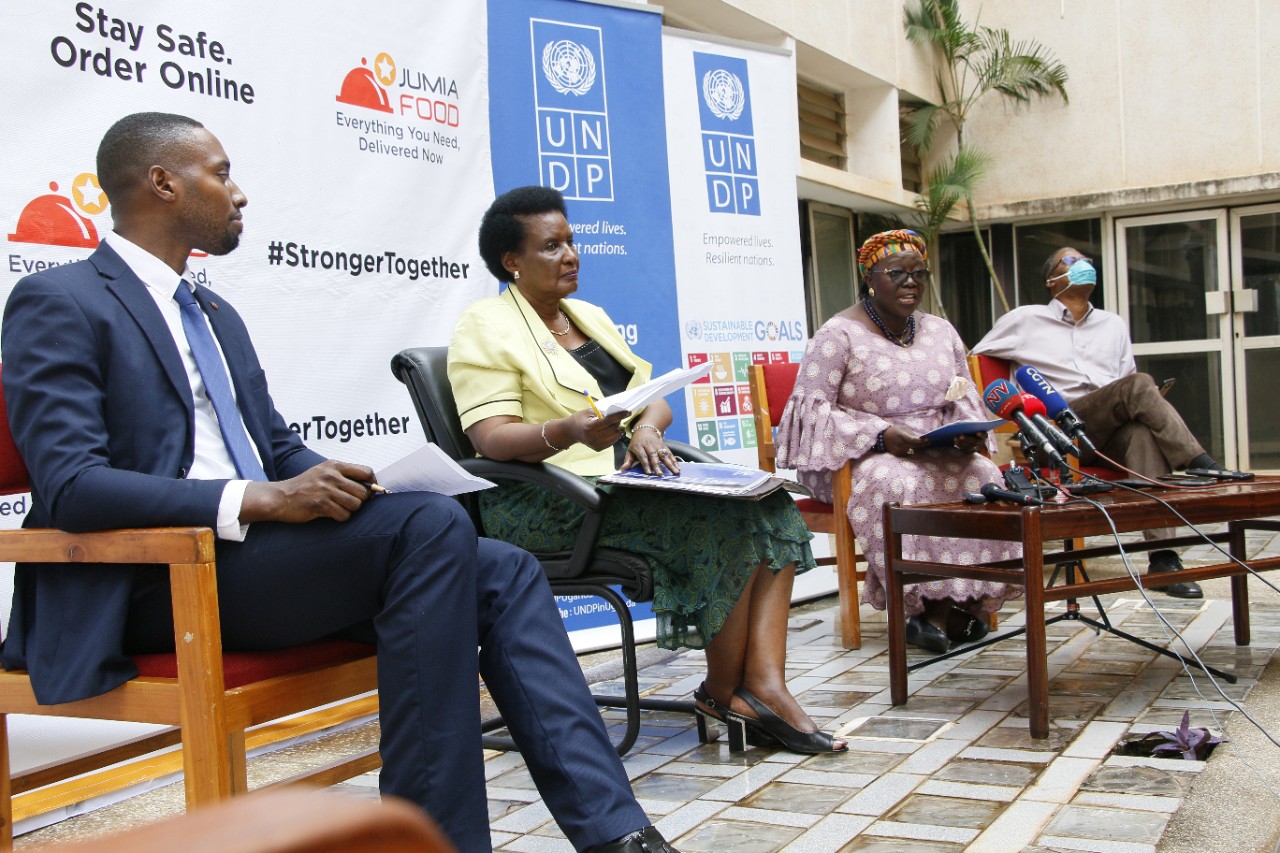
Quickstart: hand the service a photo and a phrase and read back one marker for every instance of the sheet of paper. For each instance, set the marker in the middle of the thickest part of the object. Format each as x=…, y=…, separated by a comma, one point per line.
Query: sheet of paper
x=429, y=469
x=635, y=399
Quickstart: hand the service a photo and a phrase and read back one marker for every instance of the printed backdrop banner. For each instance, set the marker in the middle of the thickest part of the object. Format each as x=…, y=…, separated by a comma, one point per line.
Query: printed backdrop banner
x=734, y=155
x=731, y=141
x=363, y=150
x=576, y=104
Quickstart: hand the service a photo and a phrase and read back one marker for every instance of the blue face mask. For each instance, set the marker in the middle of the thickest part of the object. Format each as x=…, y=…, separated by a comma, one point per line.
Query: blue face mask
x=1081, y=272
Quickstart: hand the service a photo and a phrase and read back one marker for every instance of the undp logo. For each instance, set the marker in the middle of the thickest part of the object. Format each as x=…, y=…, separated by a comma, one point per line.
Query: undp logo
x=569, y=67
x=728, y=135
x=724, y=94
x=574, y=151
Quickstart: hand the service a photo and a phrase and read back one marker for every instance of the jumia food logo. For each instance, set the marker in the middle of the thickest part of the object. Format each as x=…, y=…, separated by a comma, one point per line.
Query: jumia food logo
x=404, y=92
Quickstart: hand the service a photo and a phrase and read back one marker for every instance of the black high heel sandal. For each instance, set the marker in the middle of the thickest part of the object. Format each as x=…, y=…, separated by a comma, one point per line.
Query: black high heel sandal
x=791, y=738
x=708, y=712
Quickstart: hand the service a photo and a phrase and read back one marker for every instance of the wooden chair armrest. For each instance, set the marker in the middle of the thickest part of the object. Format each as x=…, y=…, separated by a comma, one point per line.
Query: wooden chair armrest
x=162, y=545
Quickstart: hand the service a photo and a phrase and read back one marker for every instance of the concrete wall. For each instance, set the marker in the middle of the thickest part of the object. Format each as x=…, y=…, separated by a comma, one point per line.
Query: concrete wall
x=1168, y=93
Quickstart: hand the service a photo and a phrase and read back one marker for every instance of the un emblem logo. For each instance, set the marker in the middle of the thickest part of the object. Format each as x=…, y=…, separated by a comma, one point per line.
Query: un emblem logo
x=723, y=92
x=569, y=67
x=693, y=330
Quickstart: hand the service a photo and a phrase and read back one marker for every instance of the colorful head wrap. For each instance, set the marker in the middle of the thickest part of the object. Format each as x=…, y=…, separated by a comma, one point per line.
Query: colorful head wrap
x=886, y=243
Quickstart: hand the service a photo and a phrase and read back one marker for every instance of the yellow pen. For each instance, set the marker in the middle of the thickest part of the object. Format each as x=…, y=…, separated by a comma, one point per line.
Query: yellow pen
x=592, y=403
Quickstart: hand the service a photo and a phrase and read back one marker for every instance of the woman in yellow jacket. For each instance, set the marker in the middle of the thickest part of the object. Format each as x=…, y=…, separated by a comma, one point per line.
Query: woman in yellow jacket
x=723, y=569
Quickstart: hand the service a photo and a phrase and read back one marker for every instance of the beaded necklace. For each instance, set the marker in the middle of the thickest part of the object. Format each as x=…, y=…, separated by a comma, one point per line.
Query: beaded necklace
x=904, y=339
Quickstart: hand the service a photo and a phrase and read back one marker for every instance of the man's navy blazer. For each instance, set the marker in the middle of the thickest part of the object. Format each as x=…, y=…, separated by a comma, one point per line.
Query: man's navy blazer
x=101, y=410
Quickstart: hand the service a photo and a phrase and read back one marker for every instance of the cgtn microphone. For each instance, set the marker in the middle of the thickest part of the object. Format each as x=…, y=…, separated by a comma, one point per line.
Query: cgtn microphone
x=1055, y=405
x=1006, y=401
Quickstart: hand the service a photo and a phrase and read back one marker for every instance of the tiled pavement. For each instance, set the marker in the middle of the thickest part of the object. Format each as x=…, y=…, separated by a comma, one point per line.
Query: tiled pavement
x=954, y=769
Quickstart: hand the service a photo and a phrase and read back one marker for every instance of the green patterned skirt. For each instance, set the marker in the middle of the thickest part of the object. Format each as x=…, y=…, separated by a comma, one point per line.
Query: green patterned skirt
x=703, y=549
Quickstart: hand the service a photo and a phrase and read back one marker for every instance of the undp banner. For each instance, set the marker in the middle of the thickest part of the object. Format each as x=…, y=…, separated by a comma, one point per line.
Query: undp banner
x=575, y=94
x=734, y=154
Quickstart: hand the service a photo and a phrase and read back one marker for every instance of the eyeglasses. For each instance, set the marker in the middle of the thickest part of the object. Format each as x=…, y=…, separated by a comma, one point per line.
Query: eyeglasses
x=899, y=277
x=1068, y=260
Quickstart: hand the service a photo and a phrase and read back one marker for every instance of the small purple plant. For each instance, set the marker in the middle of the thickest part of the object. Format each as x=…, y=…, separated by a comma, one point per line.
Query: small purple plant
x=1186, y=740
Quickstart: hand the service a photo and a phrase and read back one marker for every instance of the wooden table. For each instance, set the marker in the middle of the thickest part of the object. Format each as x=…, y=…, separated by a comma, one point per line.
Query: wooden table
x=1243, y=505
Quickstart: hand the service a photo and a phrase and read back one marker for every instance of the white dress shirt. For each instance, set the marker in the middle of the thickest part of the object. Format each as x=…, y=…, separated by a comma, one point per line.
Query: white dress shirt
x=212, y=461
x=1076, y=357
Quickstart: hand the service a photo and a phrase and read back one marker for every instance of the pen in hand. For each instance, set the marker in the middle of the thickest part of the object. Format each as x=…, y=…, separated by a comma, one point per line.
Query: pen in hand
x=378, y=490
x=592, y=403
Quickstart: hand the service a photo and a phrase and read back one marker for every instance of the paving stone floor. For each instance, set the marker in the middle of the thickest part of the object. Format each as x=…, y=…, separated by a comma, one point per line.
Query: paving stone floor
x=954, y=769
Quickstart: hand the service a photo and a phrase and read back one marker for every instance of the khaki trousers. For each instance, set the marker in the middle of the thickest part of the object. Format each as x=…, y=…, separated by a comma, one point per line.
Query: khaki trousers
x=1130, y=422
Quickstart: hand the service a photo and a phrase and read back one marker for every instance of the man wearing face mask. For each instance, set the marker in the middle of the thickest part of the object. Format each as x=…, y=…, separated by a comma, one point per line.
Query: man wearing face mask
x=1086, y=354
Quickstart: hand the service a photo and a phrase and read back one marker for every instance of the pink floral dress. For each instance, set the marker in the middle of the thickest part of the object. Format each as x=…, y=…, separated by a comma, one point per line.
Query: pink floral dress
x=855, y=383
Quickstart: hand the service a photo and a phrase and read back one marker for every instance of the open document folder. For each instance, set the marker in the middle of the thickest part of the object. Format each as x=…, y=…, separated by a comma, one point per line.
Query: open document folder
x=429, y=469
x=635, y=399
x=709, y=478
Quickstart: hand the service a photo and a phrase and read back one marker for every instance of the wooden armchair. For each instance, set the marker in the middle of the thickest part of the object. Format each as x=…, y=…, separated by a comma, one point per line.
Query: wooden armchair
x=208, y=697
x=771, y=386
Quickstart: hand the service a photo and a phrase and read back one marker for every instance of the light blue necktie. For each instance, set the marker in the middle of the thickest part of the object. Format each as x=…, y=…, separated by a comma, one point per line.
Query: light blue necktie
x=218, y=386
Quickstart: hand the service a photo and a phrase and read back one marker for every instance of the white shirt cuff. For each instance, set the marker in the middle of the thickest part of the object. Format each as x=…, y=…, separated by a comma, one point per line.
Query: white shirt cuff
x=229, y=526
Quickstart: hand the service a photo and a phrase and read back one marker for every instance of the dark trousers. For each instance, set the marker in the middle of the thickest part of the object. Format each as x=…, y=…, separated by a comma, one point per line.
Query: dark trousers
x=411, y=566
x=1131, y=422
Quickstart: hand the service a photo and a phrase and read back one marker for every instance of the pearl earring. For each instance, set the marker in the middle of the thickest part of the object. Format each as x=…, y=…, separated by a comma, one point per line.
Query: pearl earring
x=516, y=275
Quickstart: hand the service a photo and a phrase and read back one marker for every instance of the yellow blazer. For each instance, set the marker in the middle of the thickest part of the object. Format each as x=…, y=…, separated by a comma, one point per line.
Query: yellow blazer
x=504, y=361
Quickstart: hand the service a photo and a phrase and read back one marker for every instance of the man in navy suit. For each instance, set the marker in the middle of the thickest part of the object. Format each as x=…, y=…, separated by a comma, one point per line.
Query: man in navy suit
x=124, y=420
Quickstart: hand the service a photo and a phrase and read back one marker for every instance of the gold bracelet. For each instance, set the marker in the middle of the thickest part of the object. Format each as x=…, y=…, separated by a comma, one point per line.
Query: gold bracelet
x=548, y=441
x=646, y=426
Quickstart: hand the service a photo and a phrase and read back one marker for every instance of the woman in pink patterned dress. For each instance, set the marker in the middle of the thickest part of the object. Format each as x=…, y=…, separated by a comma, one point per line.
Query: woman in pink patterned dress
x=874, y=379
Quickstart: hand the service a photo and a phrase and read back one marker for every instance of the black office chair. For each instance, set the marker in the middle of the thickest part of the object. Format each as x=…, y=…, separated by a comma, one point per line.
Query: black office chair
x=583, y=570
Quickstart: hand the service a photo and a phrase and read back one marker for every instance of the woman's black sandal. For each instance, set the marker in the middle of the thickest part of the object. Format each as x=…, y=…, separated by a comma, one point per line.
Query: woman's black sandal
x=791, y=738
x=708, y=712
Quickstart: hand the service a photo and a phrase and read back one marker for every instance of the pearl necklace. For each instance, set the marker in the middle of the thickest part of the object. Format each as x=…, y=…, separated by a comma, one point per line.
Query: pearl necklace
x=903, y=339
x=566, y=326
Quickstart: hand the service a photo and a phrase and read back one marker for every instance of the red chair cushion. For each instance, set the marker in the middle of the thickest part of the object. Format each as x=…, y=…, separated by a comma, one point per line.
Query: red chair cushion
x=240, y=668
x=13, y=473
x=812, y=505
x=779, y=379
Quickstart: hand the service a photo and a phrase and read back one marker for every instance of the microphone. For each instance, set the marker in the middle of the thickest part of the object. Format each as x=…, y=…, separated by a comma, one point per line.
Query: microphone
x=1005, y=401
x=992, y=492
x=1055, y=405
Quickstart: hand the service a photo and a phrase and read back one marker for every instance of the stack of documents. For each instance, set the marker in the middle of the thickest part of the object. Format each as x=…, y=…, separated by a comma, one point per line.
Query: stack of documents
x=708, y=478
x=429, y=469
x=635, y=399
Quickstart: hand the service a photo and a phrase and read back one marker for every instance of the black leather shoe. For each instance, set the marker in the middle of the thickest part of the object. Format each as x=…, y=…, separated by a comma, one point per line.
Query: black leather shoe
x=647, y=840
x=1169, y=561
x=923, y=633
x=964, y=627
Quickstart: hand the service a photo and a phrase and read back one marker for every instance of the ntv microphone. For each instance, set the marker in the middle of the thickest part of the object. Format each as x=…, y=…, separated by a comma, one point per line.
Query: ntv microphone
x=1005, y=401
x=1055, y=405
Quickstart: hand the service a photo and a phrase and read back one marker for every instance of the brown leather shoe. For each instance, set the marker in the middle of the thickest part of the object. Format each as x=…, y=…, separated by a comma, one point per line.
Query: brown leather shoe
x=647, y=840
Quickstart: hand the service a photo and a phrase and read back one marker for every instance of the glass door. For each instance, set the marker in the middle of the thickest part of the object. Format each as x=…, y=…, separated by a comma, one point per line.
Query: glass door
x=1172, y=287
x=1254, y=300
